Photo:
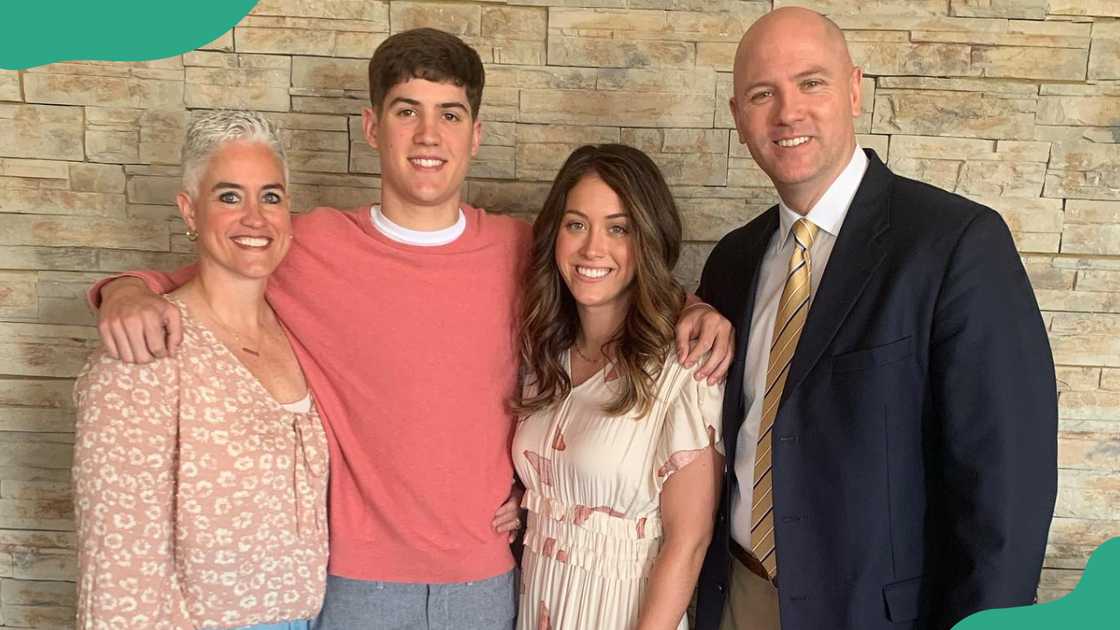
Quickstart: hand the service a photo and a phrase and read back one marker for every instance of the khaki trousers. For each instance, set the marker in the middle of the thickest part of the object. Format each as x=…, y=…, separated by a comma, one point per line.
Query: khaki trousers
x=752, y=602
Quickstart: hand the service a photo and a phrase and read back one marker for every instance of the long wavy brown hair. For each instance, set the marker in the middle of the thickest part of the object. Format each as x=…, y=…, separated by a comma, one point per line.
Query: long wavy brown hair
x=549, y=320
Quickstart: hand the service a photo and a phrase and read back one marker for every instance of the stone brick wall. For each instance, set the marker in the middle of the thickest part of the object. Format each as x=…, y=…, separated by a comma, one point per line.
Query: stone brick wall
x=1015, y=103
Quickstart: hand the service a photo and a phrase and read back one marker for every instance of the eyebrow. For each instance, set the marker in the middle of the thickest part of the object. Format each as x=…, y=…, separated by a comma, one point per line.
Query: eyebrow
x=416, y=103
x=223, y=185
x=617, y=215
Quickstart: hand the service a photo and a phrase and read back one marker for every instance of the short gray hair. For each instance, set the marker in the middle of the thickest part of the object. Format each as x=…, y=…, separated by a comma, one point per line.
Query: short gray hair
x=211, y=130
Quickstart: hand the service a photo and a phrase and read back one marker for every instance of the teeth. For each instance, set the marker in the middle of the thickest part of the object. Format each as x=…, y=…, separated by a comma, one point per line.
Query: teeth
x=592, y=272
x=252, y=241
x=427, y=162
x=793, y=142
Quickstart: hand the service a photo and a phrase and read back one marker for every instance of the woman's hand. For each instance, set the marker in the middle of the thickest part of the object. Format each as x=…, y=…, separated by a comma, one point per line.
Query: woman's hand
x=508, y=517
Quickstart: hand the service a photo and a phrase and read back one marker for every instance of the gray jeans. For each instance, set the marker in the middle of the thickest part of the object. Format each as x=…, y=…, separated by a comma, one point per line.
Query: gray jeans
x=360, y=605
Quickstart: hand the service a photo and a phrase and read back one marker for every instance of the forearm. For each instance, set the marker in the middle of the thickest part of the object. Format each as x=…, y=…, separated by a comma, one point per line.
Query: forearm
x=671, y=583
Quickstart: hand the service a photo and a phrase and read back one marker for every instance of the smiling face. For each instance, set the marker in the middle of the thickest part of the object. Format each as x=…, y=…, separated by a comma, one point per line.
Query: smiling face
x=595, y=247
x=241, y=211
x=796, y=99
x=426, y=137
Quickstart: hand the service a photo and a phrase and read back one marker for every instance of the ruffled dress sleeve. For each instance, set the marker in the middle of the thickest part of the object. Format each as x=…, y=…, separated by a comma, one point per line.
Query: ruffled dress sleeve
x=692, y=423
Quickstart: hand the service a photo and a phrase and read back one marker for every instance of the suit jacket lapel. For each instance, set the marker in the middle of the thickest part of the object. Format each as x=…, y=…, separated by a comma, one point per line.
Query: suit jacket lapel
x=859, y=249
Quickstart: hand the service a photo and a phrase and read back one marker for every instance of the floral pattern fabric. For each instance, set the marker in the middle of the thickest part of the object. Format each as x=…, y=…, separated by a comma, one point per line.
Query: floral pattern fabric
x=200, y=501
x=593, y=484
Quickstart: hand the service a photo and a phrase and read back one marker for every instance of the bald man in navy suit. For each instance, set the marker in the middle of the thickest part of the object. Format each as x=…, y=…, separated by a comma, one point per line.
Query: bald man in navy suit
x=890, y=418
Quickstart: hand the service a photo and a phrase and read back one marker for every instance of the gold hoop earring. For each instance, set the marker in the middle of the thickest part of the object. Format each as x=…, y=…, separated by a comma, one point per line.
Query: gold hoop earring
x=192, y=235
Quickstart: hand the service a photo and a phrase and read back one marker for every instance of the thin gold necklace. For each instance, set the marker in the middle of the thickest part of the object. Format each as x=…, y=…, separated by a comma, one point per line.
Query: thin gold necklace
x=584, y=356
x=244, y=348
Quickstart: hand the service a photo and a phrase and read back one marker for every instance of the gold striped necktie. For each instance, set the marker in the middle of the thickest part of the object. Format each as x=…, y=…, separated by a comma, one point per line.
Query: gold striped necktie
x=793, y=308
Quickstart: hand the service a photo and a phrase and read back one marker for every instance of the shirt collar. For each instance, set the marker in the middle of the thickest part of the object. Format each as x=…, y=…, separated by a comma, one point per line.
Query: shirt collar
x=829, y=212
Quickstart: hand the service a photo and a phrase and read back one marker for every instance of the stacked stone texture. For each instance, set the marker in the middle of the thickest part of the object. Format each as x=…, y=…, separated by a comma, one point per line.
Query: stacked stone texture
x=1015, y=103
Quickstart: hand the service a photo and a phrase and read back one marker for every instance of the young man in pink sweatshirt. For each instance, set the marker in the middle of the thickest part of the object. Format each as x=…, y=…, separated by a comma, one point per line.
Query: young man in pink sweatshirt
x=403, y=316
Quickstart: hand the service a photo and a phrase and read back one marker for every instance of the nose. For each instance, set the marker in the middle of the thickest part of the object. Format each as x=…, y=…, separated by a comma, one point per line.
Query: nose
x=426, y=130
x=791, y=107
x=594, y=244
x=254, y=214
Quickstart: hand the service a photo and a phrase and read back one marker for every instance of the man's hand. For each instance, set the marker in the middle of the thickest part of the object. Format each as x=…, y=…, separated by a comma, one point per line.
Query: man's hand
x=701, y=329
x=508, y=516
x=137, y=325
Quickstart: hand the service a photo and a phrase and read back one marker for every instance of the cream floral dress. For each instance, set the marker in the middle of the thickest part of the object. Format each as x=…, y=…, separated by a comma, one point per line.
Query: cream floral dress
x=593, y=484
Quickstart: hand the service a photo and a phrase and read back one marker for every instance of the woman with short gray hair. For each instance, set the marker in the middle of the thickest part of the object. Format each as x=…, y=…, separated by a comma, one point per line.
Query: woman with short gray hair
x=200, y=479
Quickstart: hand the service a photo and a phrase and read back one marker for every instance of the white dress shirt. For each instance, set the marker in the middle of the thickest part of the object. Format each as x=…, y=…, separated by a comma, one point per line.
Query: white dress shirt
x=828, y=215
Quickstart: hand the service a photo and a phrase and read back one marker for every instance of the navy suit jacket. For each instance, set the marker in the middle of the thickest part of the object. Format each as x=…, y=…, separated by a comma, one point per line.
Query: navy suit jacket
x=915, y=449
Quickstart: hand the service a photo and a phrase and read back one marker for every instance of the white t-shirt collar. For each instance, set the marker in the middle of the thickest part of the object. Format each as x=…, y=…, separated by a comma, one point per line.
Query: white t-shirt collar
x=423, y=238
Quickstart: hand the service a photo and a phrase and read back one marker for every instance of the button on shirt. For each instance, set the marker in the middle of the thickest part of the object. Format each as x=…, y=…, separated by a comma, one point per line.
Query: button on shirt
x=828, y=215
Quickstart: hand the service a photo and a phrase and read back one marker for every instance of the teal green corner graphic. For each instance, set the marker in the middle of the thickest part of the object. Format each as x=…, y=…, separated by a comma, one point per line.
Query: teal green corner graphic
x=1092, y=605
x=37, y=32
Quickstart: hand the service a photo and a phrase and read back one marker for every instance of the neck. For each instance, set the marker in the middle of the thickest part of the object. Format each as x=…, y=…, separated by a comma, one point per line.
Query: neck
x=598, y=324
x=424, y=218
x=803, y=196
x=238, y=302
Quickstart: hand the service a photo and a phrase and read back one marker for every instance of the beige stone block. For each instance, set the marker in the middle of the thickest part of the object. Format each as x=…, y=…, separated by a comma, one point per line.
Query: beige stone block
x=279, y=41
x=724, y=91
x=161, y=136
x=342, y=74
x=47, y=393
x=690, y=81
x=41, y=131
x=693, y=26
x=965, y=114
x=1027, y=9
x=616, y=108
x=530, y=77
x=112, y=145
x=311, y=24
x=690, y=264
x=502, y=134
x=1077, y=379
x=887, y=58
x=19, y=294
x=1098, y=8
x=509, y=197
x=224, y=43
x=920, y=15
x=9, y=86
x=44, y=564
x=1104, y=57
x=710, y=219
x=357, y=44
x=308, y=196
x=1099, y=280
x=1002, y=179
x=375, y=11
x=22, y=257
x=597, y=52
x=1085, y=339
x=37, y=593
x=75, y=89
x=30, y=419
x=17, y=229
x=879, y=144
x=1110, y=380
x=941, y=173
x=31, y=201
x=36, y=170
x=867, y=105
x=745, y=172
x=1006, y=87
x=1079, y=301
x=517, y=52
x=1044, y=274
x=1074, y=110
x=315, y=150
x=10, y=489
x=1036, y=242
x=1090, y=405
x=99, y=178
x=941, y=148
x=1086, y=185
x=1087, y=450
x=542, y=149
x=514, y=23
x=1026, y=215
x=153, y=189
x=983, y=39
x=1024, y=151
x=461, y=19
x=1096, y=239
x=117, y=260
x=1084, y=156
x=719, y=55
x=45, y=617
x=494, y=162
x=1084, y=211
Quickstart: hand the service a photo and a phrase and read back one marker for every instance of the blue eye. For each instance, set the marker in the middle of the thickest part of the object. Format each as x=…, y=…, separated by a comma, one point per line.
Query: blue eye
x=271, y=197
x=229, y=197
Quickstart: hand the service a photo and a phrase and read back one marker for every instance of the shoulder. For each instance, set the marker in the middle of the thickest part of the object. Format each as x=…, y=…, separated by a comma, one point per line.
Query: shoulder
x=105, y=378
x=733, y=242
x=930, y=207
x=515, y=227
x=325, y=219
x=678, y=382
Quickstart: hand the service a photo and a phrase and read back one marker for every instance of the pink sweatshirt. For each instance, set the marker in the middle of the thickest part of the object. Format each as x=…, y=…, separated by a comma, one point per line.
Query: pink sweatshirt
x=410, y=352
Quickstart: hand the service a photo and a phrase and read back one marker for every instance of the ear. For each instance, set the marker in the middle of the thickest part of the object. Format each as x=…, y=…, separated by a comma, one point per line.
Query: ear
x=857, y=94
x=369, y=126
x=186, y=210
x=476, y=137
x=735, y=117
